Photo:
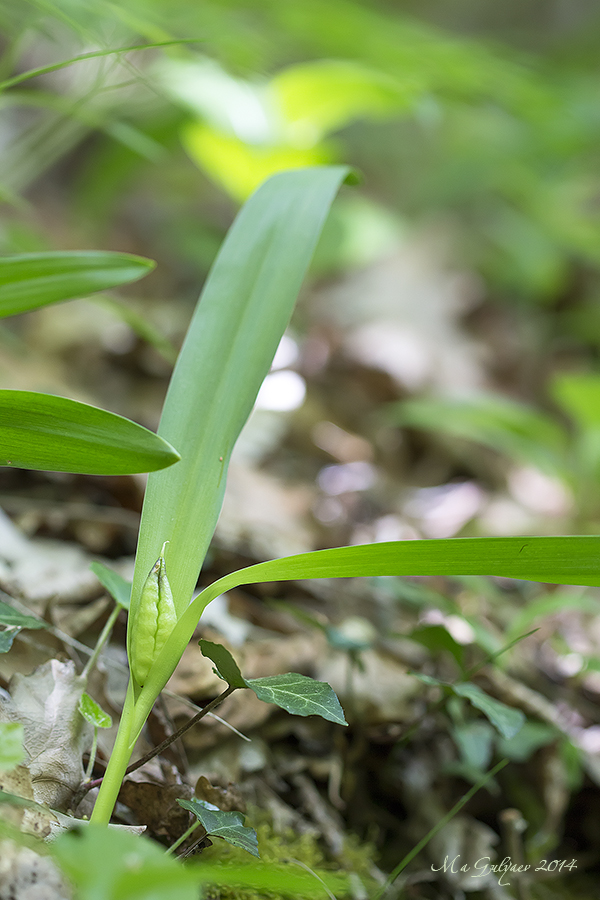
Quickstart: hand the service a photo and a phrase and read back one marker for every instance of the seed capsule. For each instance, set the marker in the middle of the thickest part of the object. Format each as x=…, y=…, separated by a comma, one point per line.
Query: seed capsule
x=153, y=622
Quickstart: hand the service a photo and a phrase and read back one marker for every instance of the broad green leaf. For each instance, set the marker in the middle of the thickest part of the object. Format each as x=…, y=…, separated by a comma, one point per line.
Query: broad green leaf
x=31, y=280
x=227, y=668
x=11, y=745
x=111, y=864
x=10, y=616
x=295, y=693
x=227, y=825
x=93, y=713
x=117, y=586
x=6, y=639
x=299, y=695
x=520, y=432
x=41, y=431
x=244, y=309
x=505, y=719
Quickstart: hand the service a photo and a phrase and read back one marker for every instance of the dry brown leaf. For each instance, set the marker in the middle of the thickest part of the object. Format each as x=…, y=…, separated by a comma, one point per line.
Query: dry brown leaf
x=47, y=704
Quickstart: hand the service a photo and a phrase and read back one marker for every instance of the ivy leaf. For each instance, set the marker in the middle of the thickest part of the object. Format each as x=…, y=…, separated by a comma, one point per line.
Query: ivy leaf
x=117, y=586
x=505, y=719
x=297, y=694
x=227, y=668
x=93, y=713
x=227, y=825
x=11, y=745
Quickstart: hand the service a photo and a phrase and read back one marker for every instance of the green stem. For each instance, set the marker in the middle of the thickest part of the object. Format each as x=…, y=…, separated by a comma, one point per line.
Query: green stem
x=90, y=766
x=119, y=758
x=183, y=838
x=105, y=634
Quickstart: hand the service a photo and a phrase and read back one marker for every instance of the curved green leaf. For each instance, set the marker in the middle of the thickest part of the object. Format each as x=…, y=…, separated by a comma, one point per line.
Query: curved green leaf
x=555, y=560
x=41, y=431
x=31, y=280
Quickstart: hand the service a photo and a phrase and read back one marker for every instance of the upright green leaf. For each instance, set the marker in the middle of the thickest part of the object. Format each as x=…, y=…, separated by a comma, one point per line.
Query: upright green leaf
x=41, y=431
x=31, y=280
x=244, y=309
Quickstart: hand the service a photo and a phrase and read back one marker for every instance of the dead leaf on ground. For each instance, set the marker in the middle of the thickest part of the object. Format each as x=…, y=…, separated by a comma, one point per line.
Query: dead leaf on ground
x=47, y=704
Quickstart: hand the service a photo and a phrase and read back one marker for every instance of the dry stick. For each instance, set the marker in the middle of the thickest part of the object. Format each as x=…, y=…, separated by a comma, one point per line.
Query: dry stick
x=173, y=737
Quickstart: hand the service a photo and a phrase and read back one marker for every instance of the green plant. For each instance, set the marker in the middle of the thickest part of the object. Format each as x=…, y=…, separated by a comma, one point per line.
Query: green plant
x=242, y=314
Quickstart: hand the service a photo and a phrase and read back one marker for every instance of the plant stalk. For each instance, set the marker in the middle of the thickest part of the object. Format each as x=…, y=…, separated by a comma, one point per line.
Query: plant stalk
x=117, y=765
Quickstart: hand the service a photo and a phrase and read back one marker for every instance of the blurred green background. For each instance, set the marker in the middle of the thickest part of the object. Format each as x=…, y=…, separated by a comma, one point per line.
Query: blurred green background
x=475, y=129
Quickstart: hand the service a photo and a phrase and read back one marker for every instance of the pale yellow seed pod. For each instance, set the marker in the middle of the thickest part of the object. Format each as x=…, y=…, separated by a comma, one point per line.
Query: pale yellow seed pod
x=153, y=622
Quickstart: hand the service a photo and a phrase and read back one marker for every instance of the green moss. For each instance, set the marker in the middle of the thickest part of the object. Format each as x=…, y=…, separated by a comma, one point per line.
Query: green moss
x=303, y=853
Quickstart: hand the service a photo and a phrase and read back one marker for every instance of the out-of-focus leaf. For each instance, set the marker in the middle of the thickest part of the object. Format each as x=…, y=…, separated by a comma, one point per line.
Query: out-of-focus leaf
x=93, y=713
x=579, y=396
x=11, y=745
x=530, y=738
x=520, y=432
x=6, y=639
x=110, y=864
x=475, y=742
x=321, y=96
x=227, y=825
x=31, y=280
x=42, y=431
x=117, y=586
x=505, y=719
x=10, y=616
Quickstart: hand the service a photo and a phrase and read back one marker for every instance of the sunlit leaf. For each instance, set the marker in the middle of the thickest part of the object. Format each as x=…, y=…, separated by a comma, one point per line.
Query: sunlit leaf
x=42, y=431
x=31, y=280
